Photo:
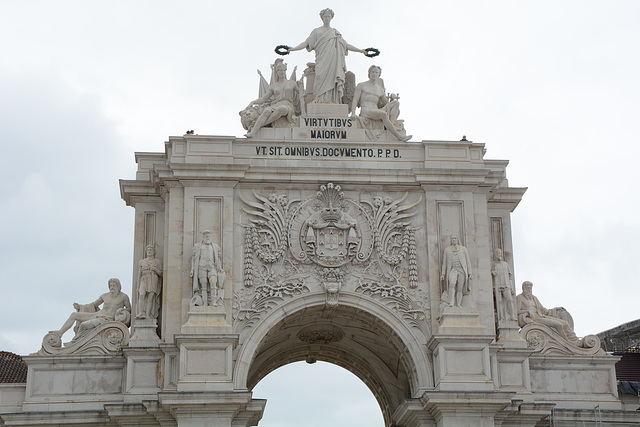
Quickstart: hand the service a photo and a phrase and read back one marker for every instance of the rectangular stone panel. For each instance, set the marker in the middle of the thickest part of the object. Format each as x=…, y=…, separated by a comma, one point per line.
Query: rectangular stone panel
x=497, y=240
x=149, y=231
x=78, y=381
x=450, y=217
x=206, y=362
x=465, y=362
x=450, y=221
x=511, y=374
x=209, y=147
x=208, y=216
x=570, y=381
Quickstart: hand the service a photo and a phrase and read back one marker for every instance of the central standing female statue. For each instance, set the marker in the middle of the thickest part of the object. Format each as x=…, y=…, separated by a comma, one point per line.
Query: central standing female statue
x=330, y=49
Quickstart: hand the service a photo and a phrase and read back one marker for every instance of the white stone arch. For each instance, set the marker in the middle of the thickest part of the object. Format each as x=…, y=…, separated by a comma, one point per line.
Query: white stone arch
x=373, y=332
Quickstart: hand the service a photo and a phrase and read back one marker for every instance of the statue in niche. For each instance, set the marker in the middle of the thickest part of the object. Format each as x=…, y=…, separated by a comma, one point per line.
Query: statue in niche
x=207, y=273
x=502, y=280
x=276, y=107
x=89, y=316
x=456, y=271
x=531, y=311
x=330, y=66
x=149, y=285
x=376, y=106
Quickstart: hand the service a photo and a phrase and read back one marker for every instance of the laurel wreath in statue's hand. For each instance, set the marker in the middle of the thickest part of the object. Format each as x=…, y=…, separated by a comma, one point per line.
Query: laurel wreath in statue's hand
x=371, y=52
x=283, y=49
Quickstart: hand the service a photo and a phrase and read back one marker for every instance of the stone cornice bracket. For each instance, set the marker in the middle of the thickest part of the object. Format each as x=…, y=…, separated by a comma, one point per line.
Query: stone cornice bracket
x=507, y=197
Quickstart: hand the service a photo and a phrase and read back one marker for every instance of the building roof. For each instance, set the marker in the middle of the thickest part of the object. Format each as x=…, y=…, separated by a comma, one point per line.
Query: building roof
x=12, y=368
x=623, y=338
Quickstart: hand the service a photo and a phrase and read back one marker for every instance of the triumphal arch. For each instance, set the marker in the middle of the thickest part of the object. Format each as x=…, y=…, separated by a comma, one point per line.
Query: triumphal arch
x=325, y=233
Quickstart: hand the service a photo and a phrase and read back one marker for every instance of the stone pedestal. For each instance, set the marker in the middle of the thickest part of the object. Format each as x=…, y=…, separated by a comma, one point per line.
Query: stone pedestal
x=206, y=319
x=143, y=369
x=206, y=362
x=461, y=362
x=460, y=349
x=523, y=414
x=144, y=333
x=73, y=382
x=580, y=382
x=456, y=320
x=509, y=334
x=510, y=369
x=210, y=409
x=452, y=409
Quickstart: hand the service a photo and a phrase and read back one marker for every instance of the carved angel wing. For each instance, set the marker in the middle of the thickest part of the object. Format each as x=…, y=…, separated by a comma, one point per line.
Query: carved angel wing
x=391, y=219
x=268, y=225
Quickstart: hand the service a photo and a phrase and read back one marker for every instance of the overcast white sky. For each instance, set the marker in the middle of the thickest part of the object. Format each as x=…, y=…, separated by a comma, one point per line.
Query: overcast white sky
x=551, y=86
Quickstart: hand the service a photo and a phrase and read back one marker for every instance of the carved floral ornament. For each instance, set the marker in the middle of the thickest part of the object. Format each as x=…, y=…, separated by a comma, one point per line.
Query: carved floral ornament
x=332, y=243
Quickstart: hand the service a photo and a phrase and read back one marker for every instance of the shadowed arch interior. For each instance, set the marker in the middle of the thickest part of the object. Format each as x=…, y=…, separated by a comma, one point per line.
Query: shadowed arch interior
x=347, y=337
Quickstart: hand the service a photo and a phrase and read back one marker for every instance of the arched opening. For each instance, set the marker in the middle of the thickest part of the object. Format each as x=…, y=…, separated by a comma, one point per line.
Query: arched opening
x=316, y=395
x=358, y=335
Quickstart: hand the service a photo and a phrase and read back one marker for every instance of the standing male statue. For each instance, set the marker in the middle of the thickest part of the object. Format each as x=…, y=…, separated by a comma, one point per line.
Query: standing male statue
x=330, y=49
x=149, y=285
x=502, y=280
x=116, y=307
x=456, y=271
x=207, y=273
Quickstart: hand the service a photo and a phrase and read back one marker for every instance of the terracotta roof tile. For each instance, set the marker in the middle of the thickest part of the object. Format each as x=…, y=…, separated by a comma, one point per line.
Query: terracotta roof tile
x=12, y=368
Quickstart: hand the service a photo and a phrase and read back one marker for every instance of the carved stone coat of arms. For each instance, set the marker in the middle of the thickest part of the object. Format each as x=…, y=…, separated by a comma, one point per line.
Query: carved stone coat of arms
x=333, y=243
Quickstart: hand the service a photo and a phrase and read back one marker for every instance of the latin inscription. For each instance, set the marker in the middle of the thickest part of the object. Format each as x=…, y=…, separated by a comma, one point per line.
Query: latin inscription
x=361, y=153
x=338, y=127
x=328, y=123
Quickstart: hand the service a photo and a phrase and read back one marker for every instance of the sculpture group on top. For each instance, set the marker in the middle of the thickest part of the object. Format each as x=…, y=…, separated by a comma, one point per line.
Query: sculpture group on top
x=283, y=100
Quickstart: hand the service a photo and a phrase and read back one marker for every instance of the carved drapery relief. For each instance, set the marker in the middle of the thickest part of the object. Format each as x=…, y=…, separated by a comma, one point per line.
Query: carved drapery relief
x=332, y=243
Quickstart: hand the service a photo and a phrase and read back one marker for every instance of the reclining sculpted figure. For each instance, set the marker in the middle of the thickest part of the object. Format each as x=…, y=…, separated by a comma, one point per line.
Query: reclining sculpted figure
x=531, y=311
x=116, y=307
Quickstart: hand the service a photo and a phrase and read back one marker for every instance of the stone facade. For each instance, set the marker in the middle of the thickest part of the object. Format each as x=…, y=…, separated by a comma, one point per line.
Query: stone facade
x=322, y=249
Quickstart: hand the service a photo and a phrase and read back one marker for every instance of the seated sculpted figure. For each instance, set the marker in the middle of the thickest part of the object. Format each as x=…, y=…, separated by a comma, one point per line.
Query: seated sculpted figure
x=370, y=96
x=531, y=311
x=276, y=107
x=116, y=307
